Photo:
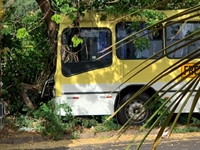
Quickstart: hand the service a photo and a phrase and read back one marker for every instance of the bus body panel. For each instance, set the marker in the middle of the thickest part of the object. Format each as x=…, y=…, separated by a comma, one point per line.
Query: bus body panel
x=93, y=99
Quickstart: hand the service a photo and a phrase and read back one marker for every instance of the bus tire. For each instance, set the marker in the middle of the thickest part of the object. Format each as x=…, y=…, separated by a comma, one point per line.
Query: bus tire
x=130, y=109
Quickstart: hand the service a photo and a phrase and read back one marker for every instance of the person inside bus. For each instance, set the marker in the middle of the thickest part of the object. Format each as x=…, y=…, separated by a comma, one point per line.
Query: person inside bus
x=102, y=44
x=128, y=51
x=121, y=47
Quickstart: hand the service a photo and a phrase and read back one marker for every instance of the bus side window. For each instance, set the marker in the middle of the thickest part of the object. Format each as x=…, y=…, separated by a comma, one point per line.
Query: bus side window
x=90, y=54
x=121, y=47
x=102, y=44
x=127, y=49
x=179, y=31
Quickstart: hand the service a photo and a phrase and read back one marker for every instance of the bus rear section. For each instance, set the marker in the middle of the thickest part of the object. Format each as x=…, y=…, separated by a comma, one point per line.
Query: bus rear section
x=85, y=72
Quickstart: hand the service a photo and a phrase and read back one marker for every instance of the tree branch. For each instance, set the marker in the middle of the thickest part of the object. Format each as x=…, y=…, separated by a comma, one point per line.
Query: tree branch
x=26, y=99
x=46, y=8
x=8, y=3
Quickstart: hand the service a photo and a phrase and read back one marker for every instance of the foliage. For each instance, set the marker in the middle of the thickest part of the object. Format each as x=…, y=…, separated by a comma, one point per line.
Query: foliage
x=75, y=135
x=76, y=41
x=73, y=9
x=142, y=43
x=106, y=125
x=47, y=121
x=180, y=97
x=186, y=129
x=64, y=8
x=22, y=33
x=26, y=40
x=53, y=124
x=195, y=121
x=25, y=50
x=161, y=112
x=87, y=122
x=56, y=18
x=183, y=118
x=24, y=121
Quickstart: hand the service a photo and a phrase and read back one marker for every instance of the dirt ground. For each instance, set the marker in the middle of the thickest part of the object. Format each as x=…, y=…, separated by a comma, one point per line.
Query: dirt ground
x=10, y=139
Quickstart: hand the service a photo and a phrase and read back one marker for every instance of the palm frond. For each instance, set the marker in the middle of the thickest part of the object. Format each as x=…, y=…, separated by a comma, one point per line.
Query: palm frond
x=174, y=102
x=159, y=52
x=164, y=73
x=182, y=95
x=150, y=103
x=185, y=12
x=194, y=102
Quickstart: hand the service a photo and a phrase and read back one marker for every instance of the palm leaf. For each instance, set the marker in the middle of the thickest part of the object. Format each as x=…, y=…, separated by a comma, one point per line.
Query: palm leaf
x=157, y=98
x=161, y=51
x=194, y=84
x=159, y=76
x=185, y=12
x=164, y=112
x=157, y=140
x=194, y=102
x=167, y=101
x=175, y=103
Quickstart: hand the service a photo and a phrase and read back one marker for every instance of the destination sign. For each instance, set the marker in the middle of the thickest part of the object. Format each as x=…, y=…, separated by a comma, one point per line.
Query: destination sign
x=190, y=69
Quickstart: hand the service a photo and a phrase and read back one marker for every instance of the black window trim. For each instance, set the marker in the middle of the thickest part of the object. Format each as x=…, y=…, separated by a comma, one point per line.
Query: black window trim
x=87, y=62
x=176, y=58
x=162, y=39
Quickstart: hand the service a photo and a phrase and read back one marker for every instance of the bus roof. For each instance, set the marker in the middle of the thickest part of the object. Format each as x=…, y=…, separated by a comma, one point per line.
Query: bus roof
x=93, y=16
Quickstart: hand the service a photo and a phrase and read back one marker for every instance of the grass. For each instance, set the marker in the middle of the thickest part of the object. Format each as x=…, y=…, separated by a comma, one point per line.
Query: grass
x=185, y=129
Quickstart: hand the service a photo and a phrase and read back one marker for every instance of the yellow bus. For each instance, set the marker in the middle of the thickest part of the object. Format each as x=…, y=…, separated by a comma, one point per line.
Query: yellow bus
x=88, y=79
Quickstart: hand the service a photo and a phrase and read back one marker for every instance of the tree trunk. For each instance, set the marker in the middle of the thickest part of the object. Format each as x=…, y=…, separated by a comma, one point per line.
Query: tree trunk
x=25, y=88
x=45, y=6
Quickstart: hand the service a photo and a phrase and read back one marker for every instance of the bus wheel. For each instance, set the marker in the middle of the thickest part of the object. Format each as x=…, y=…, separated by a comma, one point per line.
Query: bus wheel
x=132, y=109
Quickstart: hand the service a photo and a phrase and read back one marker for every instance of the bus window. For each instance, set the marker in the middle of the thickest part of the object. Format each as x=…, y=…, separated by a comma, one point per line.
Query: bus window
x=179, y=31
x=89, y=53
x=127, y=50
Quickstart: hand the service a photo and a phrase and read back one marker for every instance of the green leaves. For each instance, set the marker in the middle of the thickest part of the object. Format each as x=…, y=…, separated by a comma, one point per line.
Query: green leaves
x=7, y=29
x=59, y=2
x=142, y=43
x=22, y=33
x=111, y=10
x=56, y=18
x=30, y=19
x=76, y=41
x=66, y=9
x=152, y=16
x=25, y=36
